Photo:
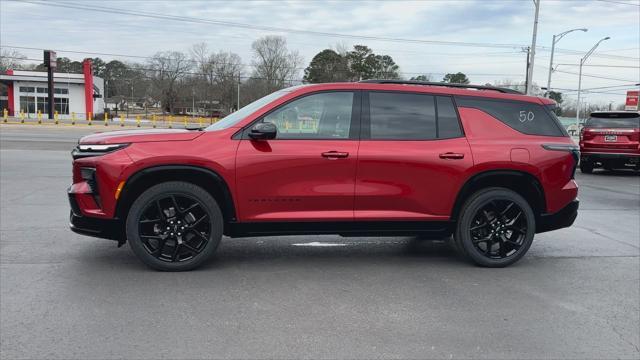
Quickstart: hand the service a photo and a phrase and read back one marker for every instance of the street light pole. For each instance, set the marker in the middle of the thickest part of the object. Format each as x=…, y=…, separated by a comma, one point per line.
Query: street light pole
x=556, y=38
x=533, y=49
x=580, y=80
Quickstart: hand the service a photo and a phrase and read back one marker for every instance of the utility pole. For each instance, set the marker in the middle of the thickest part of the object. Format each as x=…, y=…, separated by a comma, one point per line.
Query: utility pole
x=526, y=78
x=556, y=38
x=580, y=80
x=238, y=107
x=50, y=63
x=533, y=48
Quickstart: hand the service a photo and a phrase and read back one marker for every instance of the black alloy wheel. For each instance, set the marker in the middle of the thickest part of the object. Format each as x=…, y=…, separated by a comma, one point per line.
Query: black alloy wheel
x=499, y=229
x=496, y=227
x=174, y=226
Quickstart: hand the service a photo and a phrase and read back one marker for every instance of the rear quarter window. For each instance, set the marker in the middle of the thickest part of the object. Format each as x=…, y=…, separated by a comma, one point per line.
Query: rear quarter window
x=525, y=117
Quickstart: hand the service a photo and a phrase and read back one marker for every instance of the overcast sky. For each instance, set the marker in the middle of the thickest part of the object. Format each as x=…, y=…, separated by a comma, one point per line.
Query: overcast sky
x=470, y=21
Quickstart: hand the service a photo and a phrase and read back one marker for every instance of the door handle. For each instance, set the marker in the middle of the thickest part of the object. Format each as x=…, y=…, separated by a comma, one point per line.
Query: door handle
x=451, y=155
x=335, y=155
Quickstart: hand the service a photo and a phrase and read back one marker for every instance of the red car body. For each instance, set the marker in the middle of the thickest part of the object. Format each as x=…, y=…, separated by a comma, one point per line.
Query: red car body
x=346, y=186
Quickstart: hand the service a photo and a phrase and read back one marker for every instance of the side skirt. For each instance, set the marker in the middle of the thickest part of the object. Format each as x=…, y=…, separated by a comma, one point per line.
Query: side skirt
x=434, y=229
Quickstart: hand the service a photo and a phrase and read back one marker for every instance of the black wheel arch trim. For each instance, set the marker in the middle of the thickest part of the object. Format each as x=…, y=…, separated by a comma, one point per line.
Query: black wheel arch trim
x=465, y=191
x=226, y=192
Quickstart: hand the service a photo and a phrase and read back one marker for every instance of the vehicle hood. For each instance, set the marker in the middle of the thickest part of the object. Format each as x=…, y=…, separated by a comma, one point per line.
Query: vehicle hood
x=138, y=136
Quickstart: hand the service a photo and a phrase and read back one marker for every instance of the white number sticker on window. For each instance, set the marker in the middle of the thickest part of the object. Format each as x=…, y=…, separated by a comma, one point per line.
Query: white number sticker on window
x=526, y=116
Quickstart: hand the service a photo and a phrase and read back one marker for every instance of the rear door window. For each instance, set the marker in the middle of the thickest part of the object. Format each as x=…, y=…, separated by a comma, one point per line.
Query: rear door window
x=614, y=120
x=525, y=117
x=402, y=116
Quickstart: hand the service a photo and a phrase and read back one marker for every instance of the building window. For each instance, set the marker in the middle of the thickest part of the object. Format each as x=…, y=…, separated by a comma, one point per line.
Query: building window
x=41, y=105
x=28, y=104
x=45, y=90
x=27, y=89
x=61, y=105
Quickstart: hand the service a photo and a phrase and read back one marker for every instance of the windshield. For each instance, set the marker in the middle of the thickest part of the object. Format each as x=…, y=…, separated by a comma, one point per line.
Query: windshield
x=235, y=117
x=620, y=120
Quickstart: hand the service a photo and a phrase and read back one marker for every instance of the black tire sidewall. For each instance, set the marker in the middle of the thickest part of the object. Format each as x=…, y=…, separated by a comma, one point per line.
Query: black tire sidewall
x=469, y=210
x=586, y=167
x=174, y=187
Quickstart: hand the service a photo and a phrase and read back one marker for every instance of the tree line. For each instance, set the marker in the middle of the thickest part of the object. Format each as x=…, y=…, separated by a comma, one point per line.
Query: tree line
x=174, y=80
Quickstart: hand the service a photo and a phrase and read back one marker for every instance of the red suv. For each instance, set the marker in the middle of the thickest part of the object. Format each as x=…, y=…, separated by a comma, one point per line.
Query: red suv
x=610, y=139
x=489, y=166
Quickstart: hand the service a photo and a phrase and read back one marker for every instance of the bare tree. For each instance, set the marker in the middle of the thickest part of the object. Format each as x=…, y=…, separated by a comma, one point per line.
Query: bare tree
x=220, y=73
x=11, y=59
x=166, y=69
x=274, y=63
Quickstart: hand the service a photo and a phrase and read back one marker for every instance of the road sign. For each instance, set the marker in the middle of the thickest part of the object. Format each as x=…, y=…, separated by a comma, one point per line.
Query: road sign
x=632, y=100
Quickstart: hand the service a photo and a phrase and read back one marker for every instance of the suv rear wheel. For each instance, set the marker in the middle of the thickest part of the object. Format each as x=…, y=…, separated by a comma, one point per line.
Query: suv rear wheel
x=495, y=228
x=174, y=226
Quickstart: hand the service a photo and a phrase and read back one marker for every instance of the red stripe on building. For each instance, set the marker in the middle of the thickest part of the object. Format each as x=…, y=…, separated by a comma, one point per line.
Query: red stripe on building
x=88, y=86
x=10, y=98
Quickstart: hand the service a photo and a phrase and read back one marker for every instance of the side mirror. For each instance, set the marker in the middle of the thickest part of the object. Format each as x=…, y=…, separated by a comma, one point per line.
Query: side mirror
x=263, y=131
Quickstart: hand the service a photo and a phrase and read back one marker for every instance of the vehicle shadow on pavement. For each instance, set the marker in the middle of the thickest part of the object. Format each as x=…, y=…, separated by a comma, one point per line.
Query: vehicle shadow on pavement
x=293, y=252
x=622, y=172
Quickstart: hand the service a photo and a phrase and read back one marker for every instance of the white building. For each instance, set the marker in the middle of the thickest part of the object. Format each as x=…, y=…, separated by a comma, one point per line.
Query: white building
x=26, y=92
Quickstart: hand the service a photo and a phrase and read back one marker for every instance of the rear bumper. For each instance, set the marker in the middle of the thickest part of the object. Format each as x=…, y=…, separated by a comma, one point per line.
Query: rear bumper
x=595, y=156
x=560, y=219
x=111, y=229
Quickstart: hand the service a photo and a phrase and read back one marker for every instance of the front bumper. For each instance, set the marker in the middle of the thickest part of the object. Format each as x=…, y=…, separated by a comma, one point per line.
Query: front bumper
x=560, y=219
x=112, y=229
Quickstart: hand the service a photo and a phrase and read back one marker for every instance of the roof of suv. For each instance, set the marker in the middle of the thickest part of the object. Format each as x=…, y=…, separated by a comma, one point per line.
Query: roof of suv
x=433, y=88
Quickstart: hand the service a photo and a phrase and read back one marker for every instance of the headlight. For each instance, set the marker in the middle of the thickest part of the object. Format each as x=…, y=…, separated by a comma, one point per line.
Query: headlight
x=88, y=150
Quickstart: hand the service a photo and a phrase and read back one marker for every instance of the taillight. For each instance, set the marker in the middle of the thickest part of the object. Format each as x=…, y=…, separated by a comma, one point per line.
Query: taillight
x=635, y=135
x=586, y=134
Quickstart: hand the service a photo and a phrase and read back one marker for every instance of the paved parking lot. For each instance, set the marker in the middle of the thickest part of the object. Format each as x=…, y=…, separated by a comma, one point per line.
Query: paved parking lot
x=575, y=295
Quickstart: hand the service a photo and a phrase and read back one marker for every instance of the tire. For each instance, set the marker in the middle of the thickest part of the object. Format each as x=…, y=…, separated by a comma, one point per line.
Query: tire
x=487, y=236
x=586, y=167
x=174, y=226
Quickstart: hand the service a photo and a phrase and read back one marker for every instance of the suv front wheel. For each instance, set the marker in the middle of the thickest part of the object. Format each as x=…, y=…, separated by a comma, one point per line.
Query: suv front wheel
x=174, y=226
x=495, y=228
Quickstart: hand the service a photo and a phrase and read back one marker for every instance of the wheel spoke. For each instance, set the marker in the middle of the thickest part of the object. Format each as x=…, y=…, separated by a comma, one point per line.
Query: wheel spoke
x=198, y=234
x=191, y=207
x=195, y=223
x=159, y=207
x=506, y=208
x=513, y=221
x=149, y=221
x=485, y=239
x=175, y=205
x=176, y=251
x=190, y=248
x=480, y=226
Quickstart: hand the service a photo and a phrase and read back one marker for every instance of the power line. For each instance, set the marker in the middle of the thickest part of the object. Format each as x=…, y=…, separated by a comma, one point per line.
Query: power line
x=619, y=2
x=605, y=66
x=594, y=76
x=295, y=31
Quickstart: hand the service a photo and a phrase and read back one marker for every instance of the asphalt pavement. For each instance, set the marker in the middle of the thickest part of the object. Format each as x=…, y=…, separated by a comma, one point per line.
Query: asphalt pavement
x=65, y=296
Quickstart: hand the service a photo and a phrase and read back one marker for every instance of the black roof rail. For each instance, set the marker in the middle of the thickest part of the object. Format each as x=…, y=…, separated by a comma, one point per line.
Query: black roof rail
x=453, y=85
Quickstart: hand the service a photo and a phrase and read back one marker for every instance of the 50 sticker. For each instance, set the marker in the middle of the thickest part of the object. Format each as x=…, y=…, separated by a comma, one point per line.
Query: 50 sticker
x=526, y=116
